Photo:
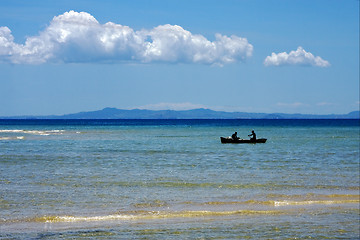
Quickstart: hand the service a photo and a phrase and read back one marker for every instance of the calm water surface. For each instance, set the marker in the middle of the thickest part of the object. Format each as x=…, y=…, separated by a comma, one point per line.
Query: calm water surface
x=173, y=179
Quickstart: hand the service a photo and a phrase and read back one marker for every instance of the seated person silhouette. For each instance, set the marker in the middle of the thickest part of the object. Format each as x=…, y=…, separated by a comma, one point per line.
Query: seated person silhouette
x=234, y=136
x=253, y=136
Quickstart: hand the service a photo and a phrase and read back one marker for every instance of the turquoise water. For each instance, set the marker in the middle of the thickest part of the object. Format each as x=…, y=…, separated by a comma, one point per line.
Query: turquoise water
x=175, y=180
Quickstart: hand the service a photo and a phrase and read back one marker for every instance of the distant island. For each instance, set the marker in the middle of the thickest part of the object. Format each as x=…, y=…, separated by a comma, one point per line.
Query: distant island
x=201, y=113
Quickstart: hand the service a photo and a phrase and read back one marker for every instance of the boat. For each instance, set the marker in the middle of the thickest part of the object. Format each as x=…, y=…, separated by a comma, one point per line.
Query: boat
x=239, y=140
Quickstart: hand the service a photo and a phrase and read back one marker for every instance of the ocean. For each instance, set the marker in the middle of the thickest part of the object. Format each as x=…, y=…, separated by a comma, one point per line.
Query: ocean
x=173, y=179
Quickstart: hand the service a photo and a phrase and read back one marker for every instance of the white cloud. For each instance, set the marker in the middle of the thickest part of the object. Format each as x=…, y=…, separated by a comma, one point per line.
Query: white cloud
x=325, y=104
x=172, y=106
x=291, y=105
x=79, y=37
x=298, y=57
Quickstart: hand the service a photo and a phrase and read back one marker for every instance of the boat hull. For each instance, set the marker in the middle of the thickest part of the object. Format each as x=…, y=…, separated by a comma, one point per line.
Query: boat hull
x=230, y=140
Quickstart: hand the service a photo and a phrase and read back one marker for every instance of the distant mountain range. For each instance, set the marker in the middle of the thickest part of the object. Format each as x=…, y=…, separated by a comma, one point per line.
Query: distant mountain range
x=114, y=113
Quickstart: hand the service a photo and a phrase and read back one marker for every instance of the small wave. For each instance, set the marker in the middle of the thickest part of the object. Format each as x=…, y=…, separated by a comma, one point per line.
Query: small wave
x=45, y=132
x=142, y=215
x=248, y=202
x=34, y=132
x=10, y=131
x=313, y=202
x=55, y=219
x=285, y=202
x=12, y=138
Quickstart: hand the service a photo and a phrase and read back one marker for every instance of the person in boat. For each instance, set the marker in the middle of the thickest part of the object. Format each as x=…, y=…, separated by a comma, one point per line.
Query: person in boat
x=252, y=136
x=234, y=136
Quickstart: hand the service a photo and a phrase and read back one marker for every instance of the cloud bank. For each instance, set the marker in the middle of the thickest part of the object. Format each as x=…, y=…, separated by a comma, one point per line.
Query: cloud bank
x=79, y=37
x=172, y=106
x=298, y=57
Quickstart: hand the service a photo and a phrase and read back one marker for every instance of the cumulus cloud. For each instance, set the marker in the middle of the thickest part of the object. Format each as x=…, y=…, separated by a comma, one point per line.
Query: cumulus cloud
x=79, y=37
x=298, y=57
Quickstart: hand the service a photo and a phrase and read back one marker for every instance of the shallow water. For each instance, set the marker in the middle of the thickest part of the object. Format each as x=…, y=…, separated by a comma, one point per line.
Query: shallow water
x=171, y=179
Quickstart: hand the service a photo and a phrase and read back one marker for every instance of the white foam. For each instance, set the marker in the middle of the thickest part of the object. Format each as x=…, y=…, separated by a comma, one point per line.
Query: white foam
x=10, y=131
x=5, y=138
x=12, y=138
x=34, y=132
x=89, y=219
x=313, y=202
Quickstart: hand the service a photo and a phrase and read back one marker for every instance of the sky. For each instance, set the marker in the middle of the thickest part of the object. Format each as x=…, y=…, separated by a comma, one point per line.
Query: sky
x=260, y=56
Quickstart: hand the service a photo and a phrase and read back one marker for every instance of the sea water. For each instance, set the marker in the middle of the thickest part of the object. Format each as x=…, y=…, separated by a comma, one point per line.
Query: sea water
x=173, y=179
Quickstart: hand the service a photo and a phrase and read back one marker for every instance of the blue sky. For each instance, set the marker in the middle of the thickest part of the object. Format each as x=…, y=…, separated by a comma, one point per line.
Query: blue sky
x=59, y=57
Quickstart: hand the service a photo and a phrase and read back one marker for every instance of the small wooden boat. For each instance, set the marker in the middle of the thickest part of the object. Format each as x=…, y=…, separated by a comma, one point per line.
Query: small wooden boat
x=239, y=140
